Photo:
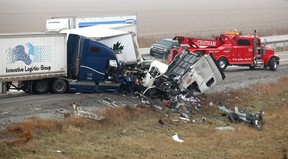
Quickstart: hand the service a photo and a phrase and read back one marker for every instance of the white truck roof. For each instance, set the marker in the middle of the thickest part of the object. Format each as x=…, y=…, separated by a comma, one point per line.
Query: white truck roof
x=96, y=32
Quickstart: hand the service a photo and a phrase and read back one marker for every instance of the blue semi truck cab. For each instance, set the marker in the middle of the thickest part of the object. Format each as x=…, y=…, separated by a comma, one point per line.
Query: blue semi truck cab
x=92, y=66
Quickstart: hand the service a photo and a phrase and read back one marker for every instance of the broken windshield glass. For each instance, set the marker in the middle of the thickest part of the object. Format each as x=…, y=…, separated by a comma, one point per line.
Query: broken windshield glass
x=182, y=63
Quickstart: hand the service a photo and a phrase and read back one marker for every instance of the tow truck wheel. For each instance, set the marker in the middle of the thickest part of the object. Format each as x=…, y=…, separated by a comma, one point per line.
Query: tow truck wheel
x=40, y=87
x=222, y=63
x=59, y=86
x=273, y=64
x=252, y=67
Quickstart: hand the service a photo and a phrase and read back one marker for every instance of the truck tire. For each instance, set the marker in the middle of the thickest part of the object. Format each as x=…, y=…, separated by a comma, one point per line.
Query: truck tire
x=222, y=62
x=59, y=86
x=40, y=87
x=257, y=123
x=273, y=64
x=26, y=87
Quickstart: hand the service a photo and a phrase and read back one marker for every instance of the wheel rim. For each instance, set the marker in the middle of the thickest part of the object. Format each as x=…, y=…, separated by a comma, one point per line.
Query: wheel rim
x=275, y=65
x=222, y=64
x=41, y=87
x=59, y=87
x=258, y=124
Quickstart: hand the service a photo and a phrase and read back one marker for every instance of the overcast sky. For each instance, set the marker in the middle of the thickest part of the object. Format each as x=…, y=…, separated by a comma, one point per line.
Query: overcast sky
x=30, y=15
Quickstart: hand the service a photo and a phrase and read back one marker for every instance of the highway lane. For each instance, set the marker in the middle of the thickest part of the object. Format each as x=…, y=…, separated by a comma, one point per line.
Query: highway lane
x=283, y=57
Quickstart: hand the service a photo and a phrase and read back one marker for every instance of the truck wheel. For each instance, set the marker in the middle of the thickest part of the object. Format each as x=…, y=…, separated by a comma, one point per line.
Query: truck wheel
x=273, y=64
x=40, y=87
x=59, y=86
x=26, y=87
x=252, y=67
x=222, y=62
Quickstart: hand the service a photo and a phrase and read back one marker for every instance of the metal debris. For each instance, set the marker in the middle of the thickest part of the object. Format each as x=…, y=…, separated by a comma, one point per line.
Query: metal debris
x=225, y=128
x=5, y=113
x=109, y=102
x=202, y=119
x=176, y=138
x=79, y=111
x=224, y=109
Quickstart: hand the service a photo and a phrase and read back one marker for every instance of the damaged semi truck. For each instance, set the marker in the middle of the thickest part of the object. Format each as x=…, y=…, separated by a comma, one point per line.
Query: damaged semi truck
x=187, y=73
x=53, y=62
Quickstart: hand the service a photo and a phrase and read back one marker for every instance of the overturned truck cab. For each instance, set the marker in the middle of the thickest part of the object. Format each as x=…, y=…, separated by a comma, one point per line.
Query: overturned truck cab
x=188, y=72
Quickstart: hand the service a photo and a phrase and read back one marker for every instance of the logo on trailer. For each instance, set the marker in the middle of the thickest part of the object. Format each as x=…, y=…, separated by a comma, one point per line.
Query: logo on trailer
x=28, y=53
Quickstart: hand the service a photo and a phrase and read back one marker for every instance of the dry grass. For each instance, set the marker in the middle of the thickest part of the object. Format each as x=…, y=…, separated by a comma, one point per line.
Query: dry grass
x=135, y=132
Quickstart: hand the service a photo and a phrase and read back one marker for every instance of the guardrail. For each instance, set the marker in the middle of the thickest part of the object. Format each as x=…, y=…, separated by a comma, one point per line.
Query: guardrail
x=277, y=40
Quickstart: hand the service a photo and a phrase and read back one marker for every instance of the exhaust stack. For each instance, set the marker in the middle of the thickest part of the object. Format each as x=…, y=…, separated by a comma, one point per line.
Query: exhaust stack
x=254, y=44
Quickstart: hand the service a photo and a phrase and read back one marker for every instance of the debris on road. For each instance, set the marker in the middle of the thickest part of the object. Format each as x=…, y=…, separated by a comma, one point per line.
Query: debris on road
x=202, y=119
x=176, y=138
x=80, y=112
x=5, y=113
x=225, y=128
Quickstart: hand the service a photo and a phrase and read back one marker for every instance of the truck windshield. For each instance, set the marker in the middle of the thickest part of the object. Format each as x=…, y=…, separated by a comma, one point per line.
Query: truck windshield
x=165, y=43
x=182, y=63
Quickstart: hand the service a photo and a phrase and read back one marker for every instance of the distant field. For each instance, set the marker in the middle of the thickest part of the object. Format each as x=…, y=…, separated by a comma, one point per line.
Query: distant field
x=157, y=18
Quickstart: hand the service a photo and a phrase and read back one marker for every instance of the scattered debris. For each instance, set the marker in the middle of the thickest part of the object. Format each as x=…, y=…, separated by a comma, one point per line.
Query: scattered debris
x=36, y=108
x=64, y=112
x=184, y=116
x=109, y=102
x=211, y=104
x=225, y=128
x=79, y=111
x=145, y=101
x=238, y=98
x=158, y=107
x=176, y=138
x=202, y=119
x=224, y=109
x=187, y=98
x=219, y=121
x=5, y=113
x=255, y=120
x=163, y=123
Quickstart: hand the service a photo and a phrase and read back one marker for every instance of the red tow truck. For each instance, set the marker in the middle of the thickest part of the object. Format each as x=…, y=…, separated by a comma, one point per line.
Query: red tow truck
x=231, y=48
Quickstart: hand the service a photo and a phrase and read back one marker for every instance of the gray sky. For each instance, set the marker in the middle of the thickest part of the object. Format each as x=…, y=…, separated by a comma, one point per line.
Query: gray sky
x=155, y=16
